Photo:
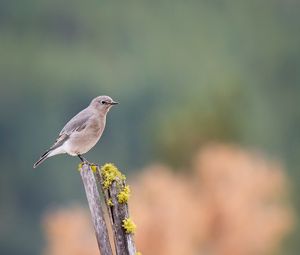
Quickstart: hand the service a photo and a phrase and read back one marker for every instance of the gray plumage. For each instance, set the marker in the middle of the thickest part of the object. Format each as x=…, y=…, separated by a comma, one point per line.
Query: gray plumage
x=82, y=132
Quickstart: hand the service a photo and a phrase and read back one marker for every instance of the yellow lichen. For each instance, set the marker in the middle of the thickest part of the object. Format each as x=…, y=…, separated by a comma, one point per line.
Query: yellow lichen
x=129, y=226
x=109, y=202
x=109, y=174
x=124, y=195
x=94, y=168
x=79, y=166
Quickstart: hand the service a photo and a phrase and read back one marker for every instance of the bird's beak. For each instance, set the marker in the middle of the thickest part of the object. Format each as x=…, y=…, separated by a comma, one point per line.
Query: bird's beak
x=114, y=103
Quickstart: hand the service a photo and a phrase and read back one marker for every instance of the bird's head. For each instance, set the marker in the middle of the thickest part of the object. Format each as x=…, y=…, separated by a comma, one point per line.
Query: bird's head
x=103, y=103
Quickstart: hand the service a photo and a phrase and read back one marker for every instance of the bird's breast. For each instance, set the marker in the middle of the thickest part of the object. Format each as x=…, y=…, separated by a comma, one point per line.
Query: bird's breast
x=82, y=141
x=96, y=127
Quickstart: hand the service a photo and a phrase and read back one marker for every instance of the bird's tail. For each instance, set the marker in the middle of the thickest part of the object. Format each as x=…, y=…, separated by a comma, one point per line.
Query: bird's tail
x=42, y=158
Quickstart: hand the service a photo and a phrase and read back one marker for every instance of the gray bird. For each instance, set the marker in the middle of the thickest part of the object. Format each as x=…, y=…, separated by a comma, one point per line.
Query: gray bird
x=82, y=132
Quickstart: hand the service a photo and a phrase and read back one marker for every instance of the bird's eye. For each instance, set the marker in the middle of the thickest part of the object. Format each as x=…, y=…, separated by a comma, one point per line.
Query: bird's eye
x=103, y=102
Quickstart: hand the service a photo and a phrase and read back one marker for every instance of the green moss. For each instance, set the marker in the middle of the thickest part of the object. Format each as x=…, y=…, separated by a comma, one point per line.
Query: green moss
x=129, y=226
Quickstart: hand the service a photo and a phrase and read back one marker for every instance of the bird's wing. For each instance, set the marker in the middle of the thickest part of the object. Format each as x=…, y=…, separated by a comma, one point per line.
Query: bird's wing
x=59, y=141
x=77, y=123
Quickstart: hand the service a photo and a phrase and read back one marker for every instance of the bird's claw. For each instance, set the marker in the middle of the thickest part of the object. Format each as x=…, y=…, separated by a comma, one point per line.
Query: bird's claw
x=85, y=162
x=89, y=163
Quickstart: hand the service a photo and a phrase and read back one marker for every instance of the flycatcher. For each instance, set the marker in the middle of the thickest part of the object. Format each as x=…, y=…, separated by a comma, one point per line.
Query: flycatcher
x=82, y=132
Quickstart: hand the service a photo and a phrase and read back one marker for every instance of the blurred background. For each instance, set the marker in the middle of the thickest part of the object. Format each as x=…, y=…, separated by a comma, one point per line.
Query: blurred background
x=207, y=129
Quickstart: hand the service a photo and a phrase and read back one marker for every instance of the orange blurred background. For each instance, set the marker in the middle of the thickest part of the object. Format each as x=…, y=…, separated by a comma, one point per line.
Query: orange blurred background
x=186, y=74
x=232, y=201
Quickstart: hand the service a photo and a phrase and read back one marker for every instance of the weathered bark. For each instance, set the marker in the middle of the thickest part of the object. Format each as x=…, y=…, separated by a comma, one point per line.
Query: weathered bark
x=124, y=243
x=93, y=197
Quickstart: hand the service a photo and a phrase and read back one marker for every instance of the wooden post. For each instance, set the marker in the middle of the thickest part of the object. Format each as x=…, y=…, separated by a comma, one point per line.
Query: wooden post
x=118, y=211
x=124, y=241
x=116, y=193
x=94, y=201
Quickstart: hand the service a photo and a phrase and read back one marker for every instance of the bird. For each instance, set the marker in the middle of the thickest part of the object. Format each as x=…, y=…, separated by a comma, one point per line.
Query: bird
x=82, y=132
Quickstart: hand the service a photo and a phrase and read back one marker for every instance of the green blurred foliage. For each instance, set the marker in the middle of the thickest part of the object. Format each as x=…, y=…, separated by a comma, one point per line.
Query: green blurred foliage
x=185, y=73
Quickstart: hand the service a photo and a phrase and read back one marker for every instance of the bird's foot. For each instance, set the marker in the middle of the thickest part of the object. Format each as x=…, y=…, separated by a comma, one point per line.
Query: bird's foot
x=85, y=161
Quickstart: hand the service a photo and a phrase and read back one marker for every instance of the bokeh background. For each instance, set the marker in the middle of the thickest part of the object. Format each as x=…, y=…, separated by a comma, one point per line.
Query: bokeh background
x=207, y=128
